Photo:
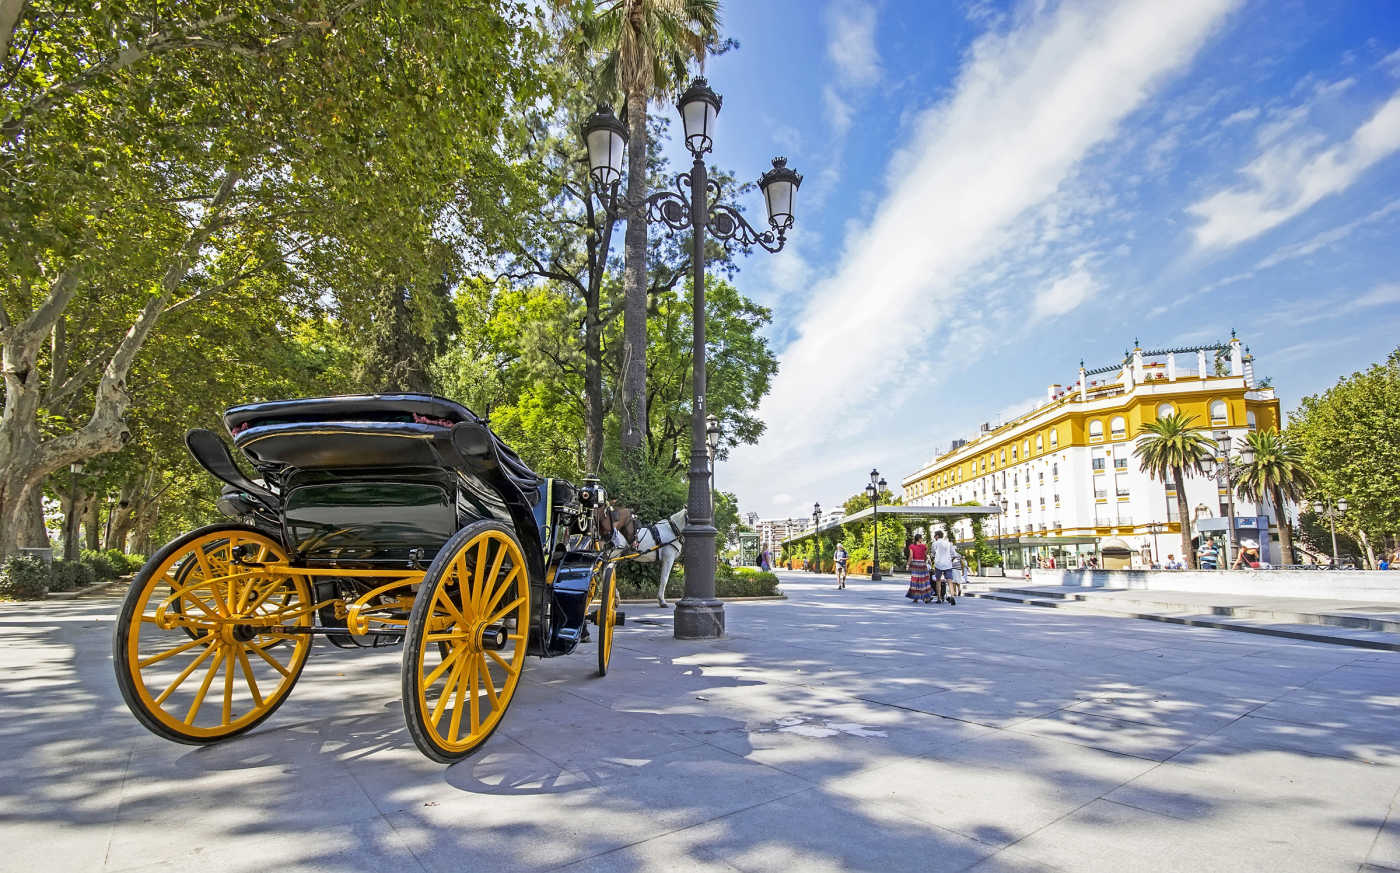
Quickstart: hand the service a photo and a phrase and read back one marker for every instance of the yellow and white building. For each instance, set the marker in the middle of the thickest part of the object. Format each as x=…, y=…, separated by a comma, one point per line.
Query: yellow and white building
x=1066, y=469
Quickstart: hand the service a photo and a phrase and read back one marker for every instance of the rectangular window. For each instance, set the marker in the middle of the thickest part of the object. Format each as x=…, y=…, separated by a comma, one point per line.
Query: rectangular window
x=1100, y=493
x=1098, y=465
x=1120, y=463
x=1057, y=500
x=1103, y=516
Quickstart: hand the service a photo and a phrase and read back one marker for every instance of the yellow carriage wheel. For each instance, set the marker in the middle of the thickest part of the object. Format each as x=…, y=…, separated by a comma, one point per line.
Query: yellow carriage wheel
x=466, y=641
x=199, y=649
x=607, y=618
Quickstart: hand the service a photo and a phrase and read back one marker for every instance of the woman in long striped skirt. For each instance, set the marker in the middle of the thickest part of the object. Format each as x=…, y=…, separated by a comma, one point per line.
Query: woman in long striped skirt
x=919, y=587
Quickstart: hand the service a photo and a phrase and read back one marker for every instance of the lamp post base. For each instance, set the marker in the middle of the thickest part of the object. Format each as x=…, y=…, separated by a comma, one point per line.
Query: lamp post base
x=699, y=619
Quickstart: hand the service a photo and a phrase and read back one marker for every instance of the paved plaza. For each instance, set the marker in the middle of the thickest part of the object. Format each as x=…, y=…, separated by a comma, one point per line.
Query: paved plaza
x=837, y=730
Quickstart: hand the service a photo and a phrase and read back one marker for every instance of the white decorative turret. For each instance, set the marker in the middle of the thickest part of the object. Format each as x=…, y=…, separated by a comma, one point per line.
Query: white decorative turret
x=1171, y=367
x=1138, y=375
x=1236, y=356
x=1249, y=370
x=1052, y=391
x=1201, y=371
x=1083, y=386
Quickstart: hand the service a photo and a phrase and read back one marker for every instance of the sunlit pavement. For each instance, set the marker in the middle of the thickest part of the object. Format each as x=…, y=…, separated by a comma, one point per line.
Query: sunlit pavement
x=838, y=730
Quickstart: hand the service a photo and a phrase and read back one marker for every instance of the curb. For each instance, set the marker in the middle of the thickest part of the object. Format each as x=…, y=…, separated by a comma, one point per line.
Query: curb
x=633, y=601
x=1262, y=630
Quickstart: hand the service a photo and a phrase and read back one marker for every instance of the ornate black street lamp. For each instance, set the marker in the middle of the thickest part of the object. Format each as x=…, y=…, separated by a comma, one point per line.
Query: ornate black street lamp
x=817, y=533
x=70, y=539
x=872, y=491
x=712, y=443
x=695, y=206
x=1001, y=507
x=1331, y=511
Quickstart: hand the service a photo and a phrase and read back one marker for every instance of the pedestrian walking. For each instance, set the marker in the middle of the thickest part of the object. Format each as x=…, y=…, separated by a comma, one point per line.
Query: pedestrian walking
x=840, y=558
x=919, y=590
x=1206, y=555
x=943, y=554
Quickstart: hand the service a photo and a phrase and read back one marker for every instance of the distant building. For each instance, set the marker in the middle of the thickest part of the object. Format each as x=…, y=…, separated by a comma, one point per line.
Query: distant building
x=1066, y=469
x=772, y=532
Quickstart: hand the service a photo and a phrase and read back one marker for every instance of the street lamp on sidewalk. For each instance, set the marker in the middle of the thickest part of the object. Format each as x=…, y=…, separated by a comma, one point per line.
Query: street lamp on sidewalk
x=1001, y=507
x=70, y=539
x=816, y=532
x=872, y=491
x=1331, y=512
x=1224, y=476
x=712, y=443
x=691, y=207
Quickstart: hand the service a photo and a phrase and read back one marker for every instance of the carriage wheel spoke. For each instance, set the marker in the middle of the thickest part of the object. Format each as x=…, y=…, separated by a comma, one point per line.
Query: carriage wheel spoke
x=185, y=674
x=456, y=723
x=248, y=675
x=204, y=687
x=500, y=592
x=227, y=711
x=453, y=656
x=504, y=610
x=446, y=693
x=487, y=682
x=464, y=583
x=480, y=581
x=490, y=583
x=440, y=597
x=475, y=698
x=169, y=653
x=276, y=665
x=502, y=661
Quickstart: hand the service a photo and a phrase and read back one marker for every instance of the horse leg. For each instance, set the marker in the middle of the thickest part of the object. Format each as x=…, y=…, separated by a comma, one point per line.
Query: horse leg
x=667, y=557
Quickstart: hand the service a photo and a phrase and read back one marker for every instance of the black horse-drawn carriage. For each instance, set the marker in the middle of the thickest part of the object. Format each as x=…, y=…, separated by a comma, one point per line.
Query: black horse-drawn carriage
x=377, y=520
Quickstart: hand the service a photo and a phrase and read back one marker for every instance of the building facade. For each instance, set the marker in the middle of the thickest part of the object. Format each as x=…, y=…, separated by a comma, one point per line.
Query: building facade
x=772, y=532
x=1066, y=469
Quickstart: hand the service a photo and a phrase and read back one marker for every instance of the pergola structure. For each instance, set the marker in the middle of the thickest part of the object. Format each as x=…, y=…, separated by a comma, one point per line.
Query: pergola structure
x=909, y=515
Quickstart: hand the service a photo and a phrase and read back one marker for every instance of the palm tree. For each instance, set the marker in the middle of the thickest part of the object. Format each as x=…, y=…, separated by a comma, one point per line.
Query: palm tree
x=641, y=49
x=1275, y=474
x=1172, y=448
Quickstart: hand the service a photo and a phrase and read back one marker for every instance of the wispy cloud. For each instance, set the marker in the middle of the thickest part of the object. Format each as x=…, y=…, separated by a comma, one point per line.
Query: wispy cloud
x=1327, y=238
x=838, y=111
x=1386, y=294
x=1067, y=292
x=1028, y=105
x=851, y=42
x=1292, y=175
x=1242, y=116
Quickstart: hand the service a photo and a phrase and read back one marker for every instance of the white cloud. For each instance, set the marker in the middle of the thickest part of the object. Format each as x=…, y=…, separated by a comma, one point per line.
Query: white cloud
x=780, y=499
x=1326, y=238
x=851, y=43
x=1067, y=292
x=1242, y=116
x=1391, y=62
x=837, y=110
x=1290, y=177
x=1381, y=295
x=1028, y=105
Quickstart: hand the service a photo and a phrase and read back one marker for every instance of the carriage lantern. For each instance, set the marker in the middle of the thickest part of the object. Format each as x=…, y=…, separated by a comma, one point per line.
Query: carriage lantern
x=606, y=137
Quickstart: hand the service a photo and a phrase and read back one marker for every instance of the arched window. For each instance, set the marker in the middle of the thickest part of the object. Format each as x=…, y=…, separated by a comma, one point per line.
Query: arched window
x=1096, y=430
x=1119, y=427
x=1250, y=420
x=1013, y=453
x=1054, y=438
x=1165, y=410
x=1039, y=443
x=1219, y=412
x=1026, y=449
x=1003, y=456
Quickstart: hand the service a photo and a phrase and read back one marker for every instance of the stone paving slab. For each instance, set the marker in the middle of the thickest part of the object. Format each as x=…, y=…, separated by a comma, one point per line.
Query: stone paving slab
x=837, y=730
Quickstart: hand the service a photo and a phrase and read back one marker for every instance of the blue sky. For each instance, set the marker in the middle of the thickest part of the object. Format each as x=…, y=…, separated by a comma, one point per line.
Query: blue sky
x=996, y=190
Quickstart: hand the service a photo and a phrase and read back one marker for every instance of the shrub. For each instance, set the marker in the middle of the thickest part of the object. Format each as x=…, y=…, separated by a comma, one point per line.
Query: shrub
x=124, y=563
x=729, y=582
x=69, y=575
x=101, y=565
x=26, y=578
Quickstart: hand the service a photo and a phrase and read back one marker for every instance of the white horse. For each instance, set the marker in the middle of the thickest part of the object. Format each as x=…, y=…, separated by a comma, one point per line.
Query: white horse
x=652, y=543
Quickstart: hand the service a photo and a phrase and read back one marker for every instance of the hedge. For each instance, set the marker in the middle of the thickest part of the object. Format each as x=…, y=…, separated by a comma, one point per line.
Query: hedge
x=25, y=578
x=729, y=582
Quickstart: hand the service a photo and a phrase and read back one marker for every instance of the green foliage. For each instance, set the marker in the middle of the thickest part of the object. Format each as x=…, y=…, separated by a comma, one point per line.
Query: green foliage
x=68, y=575
x=1275, y=474
x=979, y=553
x=729, y=582
x=103, y=567
x=1350, y=441
x=25, y=578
